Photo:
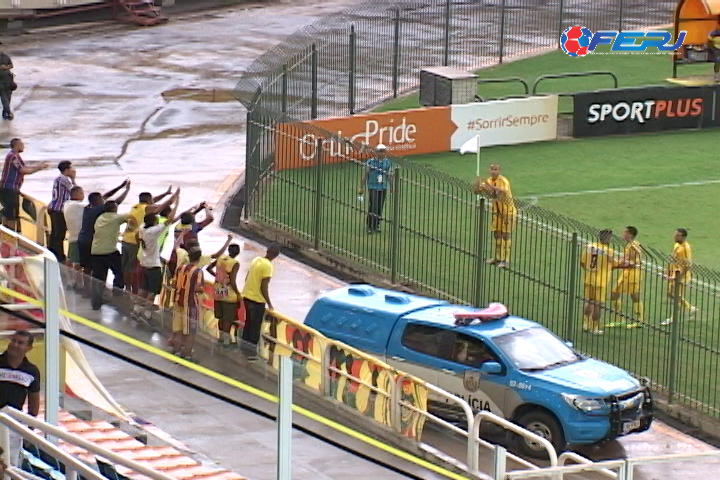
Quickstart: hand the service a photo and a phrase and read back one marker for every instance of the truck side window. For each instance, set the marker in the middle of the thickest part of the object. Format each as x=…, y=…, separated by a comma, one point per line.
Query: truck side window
x=470, y=351
x=423, y=339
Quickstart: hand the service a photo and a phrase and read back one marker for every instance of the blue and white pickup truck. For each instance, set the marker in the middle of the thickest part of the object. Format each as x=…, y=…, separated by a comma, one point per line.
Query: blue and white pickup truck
x=507, y=365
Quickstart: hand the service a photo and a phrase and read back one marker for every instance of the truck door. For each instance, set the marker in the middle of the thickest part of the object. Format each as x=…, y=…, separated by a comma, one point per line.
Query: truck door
x=460, y=373
x=417, y=351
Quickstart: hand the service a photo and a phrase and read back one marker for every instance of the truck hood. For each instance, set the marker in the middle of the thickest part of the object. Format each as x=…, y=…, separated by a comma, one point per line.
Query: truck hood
x=590, y=377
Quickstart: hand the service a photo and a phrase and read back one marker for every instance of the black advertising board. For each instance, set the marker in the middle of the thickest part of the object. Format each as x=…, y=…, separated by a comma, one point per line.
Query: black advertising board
x=647, y=109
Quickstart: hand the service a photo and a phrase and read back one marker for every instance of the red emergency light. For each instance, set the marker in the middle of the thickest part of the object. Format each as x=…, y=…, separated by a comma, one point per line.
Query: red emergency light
x=494, y=311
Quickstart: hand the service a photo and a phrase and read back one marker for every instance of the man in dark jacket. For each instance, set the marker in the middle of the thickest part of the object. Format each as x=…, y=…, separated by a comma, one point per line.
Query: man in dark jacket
x=6, y=82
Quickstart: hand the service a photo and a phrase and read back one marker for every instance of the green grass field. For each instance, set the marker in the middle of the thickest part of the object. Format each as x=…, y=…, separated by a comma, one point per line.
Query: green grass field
x=435, y=241
x=616, y=181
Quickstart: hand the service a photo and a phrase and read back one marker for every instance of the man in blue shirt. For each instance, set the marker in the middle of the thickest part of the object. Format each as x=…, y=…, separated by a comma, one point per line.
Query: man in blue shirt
x=377, y=177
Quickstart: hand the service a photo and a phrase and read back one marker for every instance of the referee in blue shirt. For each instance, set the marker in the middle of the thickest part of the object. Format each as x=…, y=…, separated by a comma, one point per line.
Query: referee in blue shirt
x=376, y=177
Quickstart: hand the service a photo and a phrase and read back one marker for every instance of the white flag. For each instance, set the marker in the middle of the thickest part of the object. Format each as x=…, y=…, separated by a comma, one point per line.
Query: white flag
x=471, y=146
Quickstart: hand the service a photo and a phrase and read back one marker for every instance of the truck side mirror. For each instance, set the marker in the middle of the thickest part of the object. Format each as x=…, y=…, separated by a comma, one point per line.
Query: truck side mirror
x=491, y=368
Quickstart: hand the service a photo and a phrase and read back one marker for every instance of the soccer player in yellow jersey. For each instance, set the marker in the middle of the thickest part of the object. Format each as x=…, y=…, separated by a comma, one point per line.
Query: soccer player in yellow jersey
x=680, y=263
x=598, y=261
x=629, y=281
x=504, y=213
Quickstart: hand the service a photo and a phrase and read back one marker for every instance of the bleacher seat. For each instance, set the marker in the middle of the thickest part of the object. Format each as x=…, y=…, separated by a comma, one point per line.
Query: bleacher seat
x=108, y=470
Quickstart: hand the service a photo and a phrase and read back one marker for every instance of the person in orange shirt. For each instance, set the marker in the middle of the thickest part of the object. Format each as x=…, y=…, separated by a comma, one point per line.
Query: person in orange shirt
x=504, y=213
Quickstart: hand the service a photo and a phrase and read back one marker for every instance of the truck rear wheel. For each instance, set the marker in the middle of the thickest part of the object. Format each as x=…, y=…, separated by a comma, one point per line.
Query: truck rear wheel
x=544, y=425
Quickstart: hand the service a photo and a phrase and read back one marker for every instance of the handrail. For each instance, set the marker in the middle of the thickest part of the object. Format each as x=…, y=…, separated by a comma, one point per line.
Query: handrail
x=508, y=425
x=573, y=75
x=6, y=417
x=561, y=471
x=506, y=80
x=15, y=415
x=565, y=456
x=17, y=474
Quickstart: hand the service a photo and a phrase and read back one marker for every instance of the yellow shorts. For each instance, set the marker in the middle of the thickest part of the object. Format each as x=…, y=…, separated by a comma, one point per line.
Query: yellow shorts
x=594, y=293
x=503, y=223
x=185, y=320
x=627, y=286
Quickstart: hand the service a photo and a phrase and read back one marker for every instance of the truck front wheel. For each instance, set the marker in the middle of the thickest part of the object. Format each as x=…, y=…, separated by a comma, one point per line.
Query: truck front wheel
x=544, y=425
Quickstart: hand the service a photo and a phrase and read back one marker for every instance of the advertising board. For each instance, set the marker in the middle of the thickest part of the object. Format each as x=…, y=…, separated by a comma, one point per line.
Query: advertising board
x=640, y=110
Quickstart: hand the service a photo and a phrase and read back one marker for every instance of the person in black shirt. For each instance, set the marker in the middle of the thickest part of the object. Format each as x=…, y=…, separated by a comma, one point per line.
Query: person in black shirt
x=19, y=381
x=6, y=82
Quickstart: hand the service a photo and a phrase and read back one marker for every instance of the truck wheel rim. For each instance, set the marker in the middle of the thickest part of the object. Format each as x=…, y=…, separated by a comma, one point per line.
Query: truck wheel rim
x=540, y=429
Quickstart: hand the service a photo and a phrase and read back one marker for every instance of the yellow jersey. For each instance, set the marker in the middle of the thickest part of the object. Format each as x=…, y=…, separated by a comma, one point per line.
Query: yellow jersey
x=503, y=203
x=681, y=259
x=135, y=219
x=223, y=288
x=260, y=269
x=598, y=261
x=183, y=258
x=631, y=254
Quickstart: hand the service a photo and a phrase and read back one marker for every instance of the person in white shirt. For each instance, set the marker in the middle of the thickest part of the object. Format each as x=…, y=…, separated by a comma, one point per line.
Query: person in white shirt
x=73, y=213
x=151, y=263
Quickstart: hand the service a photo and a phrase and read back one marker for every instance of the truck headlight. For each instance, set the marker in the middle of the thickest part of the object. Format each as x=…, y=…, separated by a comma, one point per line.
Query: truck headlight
x=584, y=404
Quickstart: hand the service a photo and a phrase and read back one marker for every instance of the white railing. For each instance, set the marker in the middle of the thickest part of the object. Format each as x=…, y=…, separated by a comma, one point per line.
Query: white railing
x=18, y=421
x=558, y=472
x=397, y=405
x=501, y=455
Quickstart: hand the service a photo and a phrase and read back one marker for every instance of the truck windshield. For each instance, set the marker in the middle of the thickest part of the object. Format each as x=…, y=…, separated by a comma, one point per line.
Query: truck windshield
x=535, y=349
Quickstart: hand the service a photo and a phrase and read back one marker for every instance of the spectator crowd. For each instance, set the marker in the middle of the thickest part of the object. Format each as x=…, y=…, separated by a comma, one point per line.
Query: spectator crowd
x=92, y=235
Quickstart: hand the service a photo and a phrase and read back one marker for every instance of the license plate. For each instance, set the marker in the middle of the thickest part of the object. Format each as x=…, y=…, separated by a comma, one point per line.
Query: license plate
x=630, y=426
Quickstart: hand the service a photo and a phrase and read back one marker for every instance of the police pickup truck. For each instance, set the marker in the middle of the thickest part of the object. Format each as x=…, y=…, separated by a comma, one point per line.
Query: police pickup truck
x=507, y=365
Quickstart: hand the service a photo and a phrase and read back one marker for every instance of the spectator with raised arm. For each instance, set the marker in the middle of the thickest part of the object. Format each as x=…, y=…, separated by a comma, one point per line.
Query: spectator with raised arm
x=13, y=176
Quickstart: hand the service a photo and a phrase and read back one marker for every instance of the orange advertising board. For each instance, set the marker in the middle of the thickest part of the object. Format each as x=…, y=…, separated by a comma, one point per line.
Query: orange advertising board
x=409, y=132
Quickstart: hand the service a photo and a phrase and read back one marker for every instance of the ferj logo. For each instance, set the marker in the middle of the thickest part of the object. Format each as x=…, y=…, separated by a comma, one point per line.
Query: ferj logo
x=578, y=41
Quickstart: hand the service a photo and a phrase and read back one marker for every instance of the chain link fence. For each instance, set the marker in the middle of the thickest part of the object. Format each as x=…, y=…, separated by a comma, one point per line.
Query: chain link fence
x=436, y=239
x=352, y=60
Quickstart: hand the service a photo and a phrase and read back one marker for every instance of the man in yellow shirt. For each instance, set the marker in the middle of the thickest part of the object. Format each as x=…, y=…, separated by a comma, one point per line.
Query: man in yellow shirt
x=227, y=295
x=629, y=281
x=680, y=264
x=598, y=261
x=504, y=213
x=256, y=295
x=129, y=260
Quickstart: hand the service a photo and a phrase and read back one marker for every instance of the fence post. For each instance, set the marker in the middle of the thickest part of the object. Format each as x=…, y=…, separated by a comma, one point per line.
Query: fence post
x=571, y=311
x=479, y=253
x=314, y=82
x=317, y=227
x=284, y=419
x=351, y=70
x=249, y=181
x=395, y=245
x=446, y=45
x=396, y=52
x=499, y=462
x=561, y=21
x=620, y=14
x=674, y=337
x=501, y=50
x=284, y=104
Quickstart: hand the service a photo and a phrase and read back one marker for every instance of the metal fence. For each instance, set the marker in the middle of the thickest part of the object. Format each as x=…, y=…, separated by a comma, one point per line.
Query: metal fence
x=436, y=239
x=349, y=61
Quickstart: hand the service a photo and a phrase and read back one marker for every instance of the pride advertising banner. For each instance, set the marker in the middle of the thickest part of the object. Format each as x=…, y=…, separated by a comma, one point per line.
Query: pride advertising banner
x=416, y=132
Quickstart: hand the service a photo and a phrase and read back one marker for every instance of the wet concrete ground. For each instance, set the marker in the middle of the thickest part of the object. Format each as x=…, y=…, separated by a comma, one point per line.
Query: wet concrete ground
x=97, y=98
